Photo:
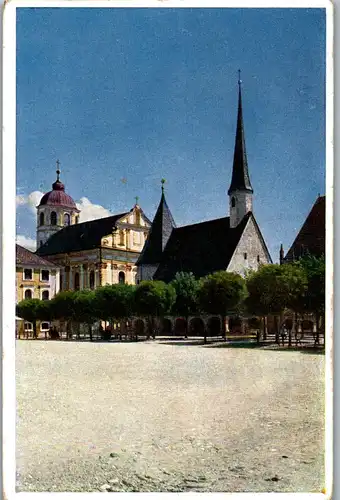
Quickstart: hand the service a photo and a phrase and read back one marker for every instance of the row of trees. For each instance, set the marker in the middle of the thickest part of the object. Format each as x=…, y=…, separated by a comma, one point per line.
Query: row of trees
x=299, y=287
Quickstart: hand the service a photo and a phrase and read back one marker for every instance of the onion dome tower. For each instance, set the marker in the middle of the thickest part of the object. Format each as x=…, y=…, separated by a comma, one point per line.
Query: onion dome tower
x=55, y=210
x=240, y=191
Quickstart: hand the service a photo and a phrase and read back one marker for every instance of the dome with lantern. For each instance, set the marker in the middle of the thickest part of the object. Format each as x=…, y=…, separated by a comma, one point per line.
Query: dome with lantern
x=58, y=197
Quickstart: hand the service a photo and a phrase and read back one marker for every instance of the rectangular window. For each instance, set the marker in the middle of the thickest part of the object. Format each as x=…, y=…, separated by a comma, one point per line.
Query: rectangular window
x=28, y=327
x=245, y=256
x=258, y=258
x=45, y=275
x=28, y=274
x=44, y=326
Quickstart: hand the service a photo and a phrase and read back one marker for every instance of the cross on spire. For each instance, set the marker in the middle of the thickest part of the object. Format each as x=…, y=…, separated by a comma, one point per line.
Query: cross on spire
x=163, y=181
x=239, y=78
x=58, y=169
x=137, y=199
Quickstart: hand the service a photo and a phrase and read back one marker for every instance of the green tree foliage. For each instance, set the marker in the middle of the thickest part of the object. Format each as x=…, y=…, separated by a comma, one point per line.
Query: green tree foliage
x=274, y=288
x=267, y=290
x=315, y=269
x=84, y=309
x=154, y=299
x=30, y=310
x=314, y=303
x=62, y=306
x=186, y=287
x=222, y=293
x=114, y=301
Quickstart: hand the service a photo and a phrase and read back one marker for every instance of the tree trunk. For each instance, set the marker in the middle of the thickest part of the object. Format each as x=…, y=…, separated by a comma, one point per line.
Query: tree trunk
x=186, y=326
x=317, y=336
x=78, y=330
x=264, y=328
x=290, y=337
x=277, y=330
x=34, y=329
x=258, y=337
x=224, y=332
x=90, y=331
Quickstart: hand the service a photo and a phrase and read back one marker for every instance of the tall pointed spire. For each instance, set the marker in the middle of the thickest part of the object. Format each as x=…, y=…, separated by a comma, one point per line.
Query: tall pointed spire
x=240, y=180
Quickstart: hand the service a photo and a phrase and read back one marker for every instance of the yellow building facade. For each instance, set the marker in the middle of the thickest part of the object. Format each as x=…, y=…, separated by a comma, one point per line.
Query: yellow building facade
x=36, y=278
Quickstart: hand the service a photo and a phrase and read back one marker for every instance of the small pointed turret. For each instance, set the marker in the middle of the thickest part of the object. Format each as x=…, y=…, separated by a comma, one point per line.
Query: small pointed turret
x=240, y=191
x=282, y=254
x=160, y=231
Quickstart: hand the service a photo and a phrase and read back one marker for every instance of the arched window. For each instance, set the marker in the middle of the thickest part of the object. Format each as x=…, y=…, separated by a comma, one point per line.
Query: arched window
x=66, y=219
x=76, y=281
x=45, y=295
x=92, y=280
x=137, y=218
x=121, y=237
x=42, y=219
x=77, y=219
x=53, y=218
x=121, y=277
x=233, y=202
x=28, y=294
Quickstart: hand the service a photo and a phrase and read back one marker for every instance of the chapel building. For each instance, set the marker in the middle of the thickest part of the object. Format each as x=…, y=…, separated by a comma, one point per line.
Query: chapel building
x=233, y=243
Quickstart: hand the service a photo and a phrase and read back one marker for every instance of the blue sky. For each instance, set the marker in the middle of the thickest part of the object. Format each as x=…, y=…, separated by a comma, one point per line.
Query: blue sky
x=141, y=94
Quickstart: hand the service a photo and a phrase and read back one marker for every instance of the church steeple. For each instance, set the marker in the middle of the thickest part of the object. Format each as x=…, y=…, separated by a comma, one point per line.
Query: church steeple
x=240, y=177
x=240, y=190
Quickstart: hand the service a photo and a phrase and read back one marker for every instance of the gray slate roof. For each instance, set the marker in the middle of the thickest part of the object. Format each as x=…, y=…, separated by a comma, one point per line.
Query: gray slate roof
x=83, y=236
x=160, y=231
x=201, y=248
x=240, y=177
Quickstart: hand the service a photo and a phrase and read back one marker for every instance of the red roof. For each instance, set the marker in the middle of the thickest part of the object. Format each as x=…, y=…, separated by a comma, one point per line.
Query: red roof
x=311, y=237
x=26, y=258
x=58, y=197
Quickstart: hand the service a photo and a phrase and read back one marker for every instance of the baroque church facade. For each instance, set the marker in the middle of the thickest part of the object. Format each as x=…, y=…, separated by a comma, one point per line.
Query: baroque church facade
x=89, y=254
x=128, y=248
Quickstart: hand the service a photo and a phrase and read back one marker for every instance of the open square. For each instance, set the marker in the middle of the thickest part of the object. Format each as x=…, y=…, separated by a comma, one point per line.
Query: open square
x=168, y=416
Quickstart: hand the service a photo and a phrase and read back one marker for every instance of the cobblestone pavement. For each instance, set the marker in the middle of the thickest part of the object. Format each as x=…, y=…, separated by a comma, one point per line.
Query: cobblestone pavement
x=164, y=416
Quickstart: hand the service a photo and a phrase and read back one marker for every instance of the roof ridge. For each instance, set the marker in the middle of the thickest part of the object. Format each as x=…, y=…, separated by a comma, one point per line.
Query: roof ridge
x=202, y=222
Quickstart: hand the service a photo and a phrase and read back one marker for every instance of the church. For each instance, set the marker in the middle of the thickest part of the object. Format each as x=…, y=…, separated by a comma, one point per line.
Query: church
x=233, y=243
x=128, y=248
x=89, y=254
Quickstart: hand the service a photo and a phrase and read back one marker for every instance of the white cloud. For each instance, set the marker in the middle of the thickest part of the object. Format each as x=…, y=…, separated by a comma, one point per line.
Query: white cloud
x=90, y=211
x=32, y=200
x=25, y=242
x=20, y=199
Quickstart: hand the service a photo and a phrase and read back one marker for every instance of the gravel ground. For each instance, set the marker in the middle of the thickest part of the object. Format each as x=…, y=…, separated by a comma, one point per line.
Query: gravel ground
x=163, y=416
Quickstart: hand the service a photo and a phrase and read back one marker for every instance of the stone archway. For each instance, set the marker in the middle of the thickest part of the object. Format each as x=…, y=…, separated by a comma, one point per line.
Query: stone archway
x=214, y=326
x=166, y=326
x=180, y=326
x=139, y=326
x=196, y=327
x=235, y=325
